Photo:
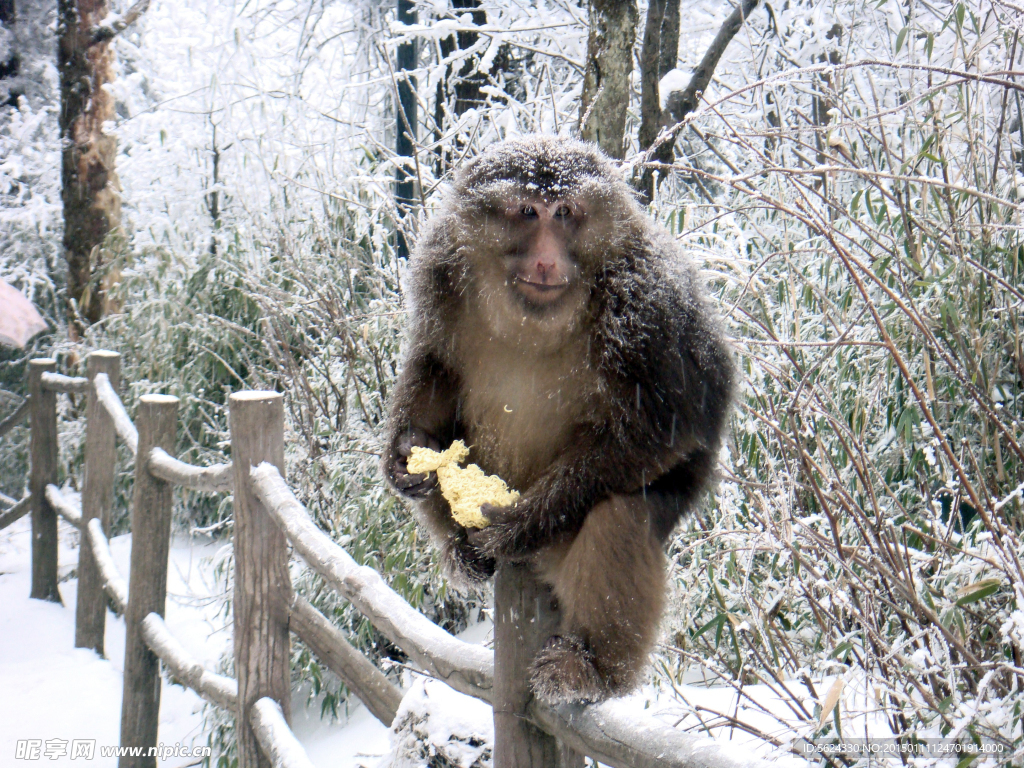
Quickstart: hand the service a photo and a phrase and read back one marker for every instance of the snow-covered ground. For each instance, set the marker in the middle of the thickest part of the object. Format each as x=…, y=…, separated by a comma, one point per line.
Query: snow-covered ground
x=50, y=690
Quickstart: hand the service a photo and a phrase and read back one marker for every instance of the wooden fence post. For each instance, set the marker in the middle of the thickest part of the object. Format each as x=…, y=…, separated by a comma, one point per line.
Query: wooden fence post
x=523, y=619
x=156, y=420
x=43, y=472
x=263, y=589
x=97, y=499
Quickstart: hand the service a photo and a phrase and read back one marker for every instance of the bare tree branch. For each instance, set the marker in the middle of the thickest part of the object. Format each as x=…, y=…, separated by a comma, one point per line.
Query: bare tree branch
x=681, y=103
x=105, y=32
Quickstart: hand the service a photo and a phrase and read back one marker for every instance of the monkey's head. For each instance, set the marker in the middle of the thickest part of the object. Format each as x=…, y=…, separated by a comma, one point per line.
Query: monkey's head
x=533, y=222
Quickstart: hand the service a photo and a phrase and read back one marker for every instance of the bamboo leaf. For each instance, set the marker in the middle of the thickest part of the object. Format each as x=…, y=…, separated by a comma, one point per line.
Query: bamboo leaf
x=831, y=699
x=979, y=590
x=900, y=38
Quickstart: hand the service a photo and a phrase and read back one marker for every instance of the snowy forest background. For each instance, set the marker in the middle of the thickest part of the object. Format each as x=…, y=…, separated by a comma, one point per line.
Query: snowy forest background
x=851, y=184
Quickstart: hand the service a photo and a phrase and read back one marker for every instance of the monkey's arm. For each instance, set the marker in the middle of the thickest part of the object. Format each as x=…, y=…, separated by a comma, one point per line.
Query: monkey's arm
x=597, y=464
x=423, y=413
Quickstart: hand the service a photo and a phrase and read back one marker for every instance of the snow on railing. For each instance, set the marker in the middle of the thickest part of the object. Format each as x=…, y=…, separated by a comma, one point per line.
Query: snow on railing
x=56, y=382
x=18, y=511
x=19, y=415
x=275, y=737
x=217, y=689
x=606, y=732
x=213, y=479
x=112, y=403
x=64, y=506
x=112, y=582
x=466, y=667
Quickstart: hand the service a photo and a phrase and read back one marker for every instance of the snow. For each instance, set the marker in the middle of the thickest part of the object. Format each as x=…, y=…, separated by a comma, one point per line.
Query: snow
x=674, y=80
x=52, y=690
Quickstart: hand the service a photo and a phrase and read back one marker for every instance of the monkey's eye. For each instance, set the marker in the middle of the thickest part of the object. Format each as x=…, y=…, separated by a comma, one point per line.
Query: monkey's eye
x=562, y=211
x=528, y=211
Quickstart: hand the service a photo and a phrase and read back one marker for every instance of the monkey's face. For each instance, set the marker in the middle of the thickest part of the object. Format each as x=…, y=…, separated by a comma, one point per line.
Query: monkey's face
x=539, y=265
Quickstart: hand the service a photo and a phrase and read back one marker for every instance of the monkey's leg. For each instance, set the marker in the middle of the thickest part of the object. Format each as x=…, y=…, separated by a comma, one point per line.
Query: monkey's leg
x=610, y=586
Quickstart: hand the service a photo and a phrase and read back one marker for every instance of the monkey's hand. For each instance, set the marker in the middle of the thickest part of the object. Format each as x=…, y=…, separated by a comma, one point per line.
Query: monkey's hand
x=409, y=485
x=464, y=563
x=499, y=537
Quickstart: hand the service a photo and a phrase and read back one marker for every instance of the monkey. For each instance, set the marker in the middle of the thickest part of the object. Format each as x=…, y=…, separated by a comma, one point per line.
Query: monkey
x=565, y=337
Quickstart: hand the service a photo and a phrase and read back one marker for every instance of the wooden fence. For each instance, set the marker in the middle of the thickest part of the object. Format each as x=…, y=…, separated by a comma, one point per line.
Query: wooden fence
x=267, y=517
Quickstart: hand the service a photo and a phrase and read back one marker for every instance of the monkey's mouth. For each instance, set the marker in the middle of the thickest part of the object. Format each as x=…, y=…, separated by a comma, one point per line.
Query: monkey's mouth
x=540, y=293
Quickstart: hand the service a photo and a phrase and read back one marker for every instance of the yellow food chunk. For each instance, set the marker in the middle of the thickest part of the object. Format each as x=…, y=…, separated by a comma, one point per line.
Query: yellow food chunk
x=466, y=489
x=425, y=460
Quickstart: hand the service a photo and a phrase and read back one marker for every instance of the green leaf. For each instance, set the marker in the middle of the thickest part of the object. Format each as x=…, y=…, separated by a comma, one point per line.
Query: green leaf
x=900, y=38
x=979, y=590
x=929, y=45
x=841, y=649
x=717, y=621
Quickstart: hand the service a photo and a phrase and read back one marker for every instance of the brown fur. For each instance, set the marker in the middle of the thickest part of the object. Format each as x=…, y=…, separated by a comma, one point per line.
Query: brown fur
x=603, y=406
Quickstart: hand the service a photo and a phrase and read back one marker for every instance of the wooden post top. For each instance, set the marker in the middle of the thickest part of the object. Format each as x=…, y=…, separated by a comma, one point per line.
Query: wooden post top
x=40, y=361
x=251, y=395
x=104, y=353
x=159, y=400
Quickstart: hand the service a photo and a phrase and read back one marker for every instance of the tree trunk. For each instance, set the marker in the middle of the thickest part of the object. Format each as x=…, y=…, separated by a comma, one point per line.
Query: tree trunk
x=90, y=189
x=464, y=85
x=10, y=63
x=405, y=129
x=659, y=54
x=606, y=79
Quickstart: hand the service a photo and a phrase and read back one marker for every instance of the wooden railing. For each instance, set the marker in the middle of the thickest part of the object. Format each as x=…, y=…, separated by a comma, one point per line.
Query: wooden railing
x=267, y=517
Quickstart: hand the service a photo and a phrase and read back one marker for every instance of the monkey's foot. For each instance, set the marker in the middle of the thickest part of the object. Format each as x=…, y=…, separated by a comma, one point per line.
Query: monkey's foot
x=564, y=671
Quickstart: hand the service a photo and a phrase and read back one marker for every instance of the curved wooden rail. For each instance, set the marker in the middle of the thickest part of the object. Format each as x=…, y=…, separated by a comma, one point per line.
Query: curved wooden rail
x=217, y=689
x=113, y=405
x=113, y=584
x=465, y=667
x=57, y=382
x=606, y=732
x=380, y=695
x=213, y=479
x=16, y=512
x=275, y=737
x=63, y=506
x=19, y=415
